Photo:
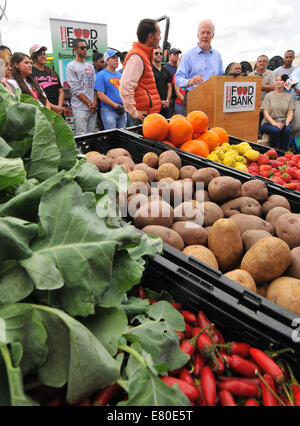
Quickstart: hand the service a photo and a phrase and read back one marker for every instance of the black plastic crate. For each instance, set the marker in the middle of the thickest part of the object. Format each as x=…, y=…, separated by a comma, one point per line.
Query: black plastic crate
x=138, y=146
x=240, y=315
x=232, y=140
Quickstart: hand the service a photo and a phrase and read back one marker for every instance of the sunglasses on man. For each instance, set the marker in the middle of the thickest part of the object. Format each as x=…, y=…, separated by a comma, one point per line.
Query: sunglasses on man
x=158, y=54
x=83, y=48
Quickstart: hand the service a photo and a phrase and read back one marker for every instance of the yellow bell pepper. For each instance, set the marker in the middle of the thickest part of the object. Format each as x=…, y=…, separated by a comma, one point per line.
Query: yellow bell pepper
x=242, y=167
x=252, y=155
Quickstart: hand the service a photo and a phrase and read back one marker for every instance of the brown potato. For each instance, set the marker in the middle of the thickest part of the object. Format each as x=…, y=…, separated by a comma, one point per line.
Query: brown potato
x=203, y=254
x=212, y=213
x=167, y=170
x=225, y=241
x=275, y=214
x=125, y=162
x=149, y=172
x=189, y=212
x=275, y=201
x=138, y=176
x=92, y=154
x=181, y=191
x=202, y=196
x=243, y=205
x=224, y=189
x=139, y=188
x=170, y=157
x=114, y=154
x=187, y=172
x=168, y=236
x=250, y=238
x=255, y=189
x=154, y=213
x=285, y=291
x=243, y=278
x=263, y=290
x=101, y=162
x=191, y=233
x=267, y=260
x=135, y=202
x=288, y=229
x=205, y=176
x=251, y=223
x=151, y=159
x=294, y=269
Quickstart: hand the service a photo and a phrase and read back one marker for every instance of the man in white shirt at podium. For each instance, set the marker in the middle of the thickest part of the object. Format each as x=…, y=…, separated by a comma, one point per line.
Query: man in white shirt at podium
x=201, y=62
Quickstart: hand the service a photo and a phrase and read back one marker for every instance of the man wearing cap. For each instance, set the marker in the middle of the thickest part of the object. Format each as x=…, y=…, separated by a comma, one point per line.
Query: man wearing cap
x=47, y=78
x=163, y=81
x=107, y=86
x=81, y=79
x=201, y=62
x=172, y=67
x=138, y=88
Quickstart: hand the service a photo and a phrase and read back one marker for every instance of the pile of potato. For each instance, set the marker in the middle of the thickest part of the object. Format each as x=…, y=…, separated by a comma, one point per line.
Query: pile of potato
x=251, y=237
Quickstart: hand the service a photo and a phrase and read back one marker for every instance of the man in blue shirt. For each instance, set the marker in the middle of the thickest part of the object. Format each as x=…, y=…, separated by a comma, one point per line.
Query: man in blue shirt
x=201, y=62
x=107, y=86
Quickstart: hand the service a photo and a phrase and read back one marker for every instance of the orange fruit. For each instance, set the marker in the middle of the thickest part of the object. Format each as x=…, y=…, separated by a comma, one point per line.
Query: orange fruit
x=180, y=131
x=199, y=148
x=223, y=135
x=211, y=139
x=197, y=135
x=155, y=127
x=176, y=116
x=199, y=121
x=169, y=143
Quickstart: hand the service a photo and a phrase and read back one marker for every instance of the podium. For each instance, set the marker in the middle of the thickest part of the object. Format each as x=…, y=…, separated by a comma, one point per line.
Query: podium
x=231, y=102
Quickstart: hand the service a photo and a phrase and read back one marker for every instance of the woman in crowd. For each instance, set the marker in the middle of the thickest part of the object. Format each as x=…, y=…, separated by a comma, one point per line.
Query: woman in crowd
x=5, y=54
x=47, y=78
x=278, y=107
x=2, y=75
x=22, y=79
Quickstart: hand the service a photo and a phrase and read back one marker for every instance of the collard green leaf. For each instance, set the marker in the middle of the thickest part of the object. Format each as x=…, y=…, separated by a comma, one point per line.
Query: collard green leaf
x=20, y=122
x=12, y=172
x=5, y=149
x=15, y=286
x=43, y=272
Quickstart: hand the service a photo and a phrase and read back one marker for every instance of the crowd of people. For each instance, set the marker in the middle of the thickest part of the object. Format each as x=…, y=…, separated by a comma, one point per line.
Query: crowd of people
x=119, y=90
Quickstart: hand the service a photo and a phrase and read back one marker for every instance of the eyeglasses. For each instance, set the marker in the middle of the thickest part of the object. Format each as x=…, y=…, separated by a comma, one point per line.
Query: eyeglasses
x=158, y=54
x=83, y=48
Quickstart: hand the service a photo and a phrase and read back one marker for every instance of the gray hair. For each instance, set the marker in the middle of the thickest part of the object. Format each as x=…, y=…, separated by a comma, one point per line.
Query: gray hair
x=2, y=69
x=207, y=21
x=263, y=56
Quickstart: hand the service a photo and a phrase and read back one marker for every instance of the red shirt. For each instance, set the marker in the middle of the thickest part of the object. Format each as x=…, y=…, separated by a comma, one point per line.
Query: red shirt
x=177, y=100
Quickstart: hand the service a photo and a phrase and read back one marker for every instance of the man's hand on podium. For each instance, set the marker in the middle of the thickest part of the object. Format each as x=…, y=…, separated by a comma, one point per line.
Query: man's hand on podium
x=196, y=81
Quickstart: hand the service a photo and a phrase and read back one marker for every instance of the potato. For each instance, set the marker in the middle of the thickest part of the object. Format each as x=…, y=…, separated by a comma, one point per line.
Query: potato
x=167, y=170
x=225, y=241
x=125, y=162
x=243, y=278
x=255, y=189
x=135, y=202
x=285, y=291
x=169, y=236
x=263, y=290
x=244, y=205
x=191, y=233
x=189, y=212
x=170, y=157
x=275, y=214
x=250, y=238
x=149, y=172
x=101, y=162
x=267, y=260
x=203, y=254
x=151, y=160
x=154, y=213
x=275, y=201
x=181, y=191
x=288, y=229
x=187, y=172
x=251, y=223
x=92, y=154
x=114, y=154
x=224, y=189
x=138, y=176
x=212, y=213
x=202, y=196
x=205, y=176
x=294, y=269
x=139, y=188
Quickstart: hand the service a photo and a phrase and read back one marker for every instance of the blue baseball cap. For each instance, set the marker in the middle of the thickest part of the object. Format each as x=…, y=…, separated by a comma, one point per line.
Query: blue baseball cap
x=110, y=53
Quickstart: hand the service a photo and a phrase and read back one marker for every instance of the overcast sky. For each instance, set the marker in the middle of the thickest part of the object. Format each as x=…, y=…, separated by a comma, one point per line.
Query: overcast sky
x=244, y=30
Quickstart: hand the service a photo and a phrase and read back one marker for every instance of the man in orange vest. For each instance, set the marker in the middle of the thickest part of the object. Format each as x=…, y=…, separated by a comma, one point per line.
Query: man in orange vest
x=138, y=88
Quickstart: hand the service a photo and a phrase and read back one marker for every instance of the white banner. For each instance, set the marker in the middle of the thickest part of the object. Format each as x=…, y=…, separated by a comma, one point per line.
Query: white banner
x=239, y=97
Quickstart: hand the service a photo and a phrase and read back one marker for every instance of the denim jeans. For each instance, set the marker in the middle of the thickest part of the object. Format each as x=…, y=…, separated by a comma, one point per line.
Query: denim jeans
x=179, y=109
x=85, y=122
x=278, y=138
x=112, y=120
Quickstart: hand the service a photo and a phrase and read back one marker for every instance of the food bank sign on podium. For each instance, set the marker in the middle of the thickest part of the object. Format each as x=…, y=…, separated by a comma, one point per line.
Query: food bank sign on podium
x=230, y=102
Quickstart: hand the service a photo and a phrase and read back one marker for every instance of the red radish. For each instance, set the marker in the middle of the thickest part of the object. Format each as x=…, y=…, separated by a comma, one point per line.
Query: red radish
x=209, y=386
x=177, y=306
x=186, y=377
x=241, y=366
x=249, y=380
x=199, y=364
x=252, y=403
x=267, y=365
x=189, y=390
x=107, y=395
x=189, y=317
x=205, y=346
x=234, y=348
x=239, y=388
x=201, y=399
x=227, y=399
x=269, y=399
